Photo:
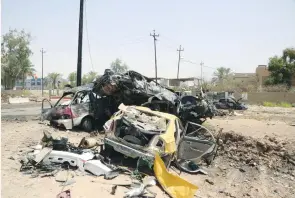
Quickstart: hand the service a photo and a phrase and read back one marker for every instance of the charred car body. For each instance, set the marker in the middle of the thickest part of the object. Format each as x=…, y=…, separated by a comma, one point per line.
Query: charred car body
x=139, y=132
x=132, y=88
x=84, y=108
x=230, y=103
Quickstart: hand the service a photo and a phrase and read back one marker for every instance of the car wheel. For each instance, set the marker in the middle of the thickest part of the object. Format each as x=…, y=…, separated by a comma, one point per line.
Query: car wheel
x=87, y=124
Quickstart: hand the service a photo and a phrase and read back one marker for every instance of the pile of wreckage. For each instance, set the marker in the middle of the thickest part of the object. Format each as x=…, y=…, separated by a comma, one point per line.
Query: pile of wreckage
x=142, y=121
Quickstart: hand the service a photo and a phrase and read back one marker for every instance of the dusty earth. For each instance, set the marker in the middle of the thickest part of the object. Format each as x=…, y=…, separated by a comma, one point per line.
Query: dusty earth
x=256, y=158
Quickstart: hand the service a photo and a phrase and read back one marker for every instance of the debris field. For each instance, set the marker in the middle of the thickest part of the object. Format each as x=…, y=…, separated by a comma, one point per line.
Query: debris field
x=143, y=140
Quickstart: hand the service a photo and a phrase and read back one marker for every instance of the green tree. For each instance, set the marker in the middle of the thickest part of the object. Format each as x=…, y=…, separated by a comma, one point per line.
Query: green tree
x=53, y=78
x=89, y=77
x=118, y=67
x=72, y=78
x=15, y=55
x=282, y=68
x=222, y=73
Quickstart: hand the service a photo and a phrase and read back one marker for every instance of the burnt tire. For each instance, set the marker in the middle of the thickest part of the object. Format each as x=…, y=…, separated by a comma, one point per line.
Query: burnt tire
x=87, y=124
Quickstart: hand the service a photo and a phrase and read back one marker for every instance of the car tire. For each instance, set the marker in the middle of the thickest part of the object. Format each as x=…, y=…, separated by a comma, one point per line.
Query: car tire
x=87, y=124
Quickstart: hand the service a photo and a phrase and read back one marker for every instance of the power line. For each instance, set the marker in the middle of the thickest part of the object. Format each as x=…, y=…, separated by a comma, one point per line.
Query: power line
x=154, y=36
x=188, y=61
x=179, y=51
x=86, y=26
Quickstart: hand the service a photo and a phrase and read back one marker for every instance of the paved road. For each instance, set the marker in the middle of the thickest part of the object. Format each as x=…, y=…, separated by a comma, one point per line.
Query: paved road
x=26, y=110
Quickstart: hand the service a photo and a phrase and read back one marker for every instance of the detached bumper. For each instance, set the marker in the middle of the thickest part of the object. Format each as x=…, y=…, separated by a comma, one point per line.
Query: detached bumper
x=128, y=151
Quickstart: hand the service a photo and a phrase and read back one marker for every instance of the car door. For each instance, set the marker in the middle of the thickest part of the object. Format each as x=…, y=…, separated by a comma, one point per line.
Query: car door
x=49, y=111
x=196, y=143
x=80, y=106
x=45, y=110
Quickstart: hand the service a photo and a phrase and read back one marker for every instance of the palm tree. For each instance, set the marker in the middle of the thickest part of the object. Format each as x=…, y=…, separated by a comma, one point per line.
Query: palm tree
x=26, y=69
x=72, y=78
x=222, y=73
x=53, y=78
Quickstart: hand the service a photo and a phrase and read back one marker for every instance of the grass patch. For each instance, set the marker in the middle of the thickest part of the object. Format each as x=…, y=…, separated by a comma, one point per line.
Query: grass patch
x=280, y=104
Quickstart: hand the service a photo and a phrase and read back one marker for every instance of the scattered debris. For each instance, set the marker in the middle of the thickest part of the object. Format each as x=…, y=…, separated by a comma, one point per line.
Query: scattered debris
x=174, y=185
x=112, y=174
x=114, y=188
x=64, y=194
x=68, y=182
x=97, y=168
x=209, y=181
x=88, y=143
x=140, y=189
x=11, y=158
x=64, y=175
x=42, y=154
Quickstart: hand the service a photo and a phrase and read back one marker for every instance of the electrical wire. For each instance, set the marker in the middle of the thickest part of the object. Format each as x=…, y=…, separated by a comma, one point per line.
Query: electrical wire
x=86, y=28
x=197, y=64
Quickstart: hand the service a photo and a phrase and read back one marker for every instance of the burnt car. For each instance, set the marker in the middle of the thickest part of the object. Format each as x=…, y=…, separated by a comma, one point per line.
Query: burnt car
x=230, y=103
x=139, y=132
x=132, y=88
x=84, y=108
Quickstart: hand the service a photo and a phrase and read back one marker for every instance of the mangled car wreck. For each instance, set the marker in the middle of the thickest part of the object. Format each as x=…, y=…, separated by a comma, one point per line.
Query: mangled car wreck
x=139, y=132
x=85, y=109
x=132, y=88
x=152, y=122
x=141, y=120
x=92, y=105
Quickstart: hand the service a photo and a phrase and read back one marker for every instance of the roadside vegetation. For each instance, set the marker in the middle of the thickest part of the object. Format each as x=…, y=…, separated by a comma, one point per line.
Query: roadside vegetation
x=280, y=104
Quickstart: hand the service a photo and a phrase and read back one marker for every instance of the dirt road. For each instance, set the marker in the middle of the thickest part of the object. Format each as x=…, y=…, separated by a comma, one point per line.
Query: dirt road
x=256, y=158
x=20, y=111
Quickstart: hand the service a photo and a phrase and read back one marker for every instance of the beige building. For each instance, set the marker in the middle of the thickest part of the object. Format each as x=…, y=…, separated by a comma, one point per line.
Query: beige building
x=262, y=74
x=245, y=78
x=259, y=77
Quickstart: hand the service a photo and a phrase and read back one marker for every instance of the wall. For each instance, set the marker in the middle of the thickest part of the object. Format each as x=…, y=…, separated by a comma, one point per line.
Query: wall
x=258, y=98
x=262, y=73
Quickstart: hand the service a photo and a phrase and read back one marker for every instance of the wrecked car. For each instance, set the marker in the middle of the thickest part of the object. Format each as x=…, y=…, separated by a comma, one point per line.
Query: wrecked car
x=139, y=132
x=84, y=108
x=132, y=88
x=230, y=103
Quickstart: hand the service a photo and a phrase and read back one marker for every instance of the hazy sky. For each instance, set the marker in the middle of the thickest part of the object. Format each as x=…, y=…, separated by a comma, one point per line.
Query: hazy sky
x=231, y=33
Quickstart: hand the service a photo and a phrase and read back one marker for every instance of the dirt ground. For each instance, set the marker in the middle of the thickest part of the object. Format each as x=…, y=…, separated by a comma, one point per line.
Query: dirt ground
x=256, y=158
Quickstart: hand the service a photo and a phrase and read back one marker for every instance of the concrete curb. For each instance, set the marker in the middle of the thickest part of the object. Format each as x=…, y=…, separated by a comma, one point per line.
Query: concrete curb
x=18, y=100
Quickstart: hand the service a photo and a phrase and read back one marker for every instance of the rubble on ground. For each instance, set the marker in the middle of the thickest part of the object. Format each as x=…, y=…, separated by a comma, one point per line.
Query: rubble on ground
x=249, y=151
x=157, y=129
x=55, y=156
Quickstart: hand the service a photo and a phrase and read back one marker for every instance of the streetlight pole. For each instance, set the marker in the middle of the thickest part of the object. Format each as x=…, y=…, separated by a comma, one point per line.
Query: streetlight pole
x=42, y=53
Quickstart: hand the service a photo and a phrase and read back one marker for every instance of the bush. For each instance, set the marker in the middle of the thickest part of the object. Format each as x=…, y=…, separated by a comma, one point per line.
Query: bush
x=281, y=104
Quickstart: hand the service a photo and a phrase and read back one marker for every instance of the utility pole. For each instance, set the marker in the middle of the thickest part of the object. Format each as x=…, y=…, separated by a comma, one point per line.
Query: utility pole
x=202, y=64
x=80, y=42
x=42, y=53
x=154, y=36
x=179, y=51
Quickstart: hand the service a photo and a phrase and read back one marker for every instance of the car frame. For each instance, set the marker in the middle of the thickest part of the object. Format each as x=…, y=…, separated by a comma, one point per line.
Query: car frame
x=84, y=109
x=177, y=145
